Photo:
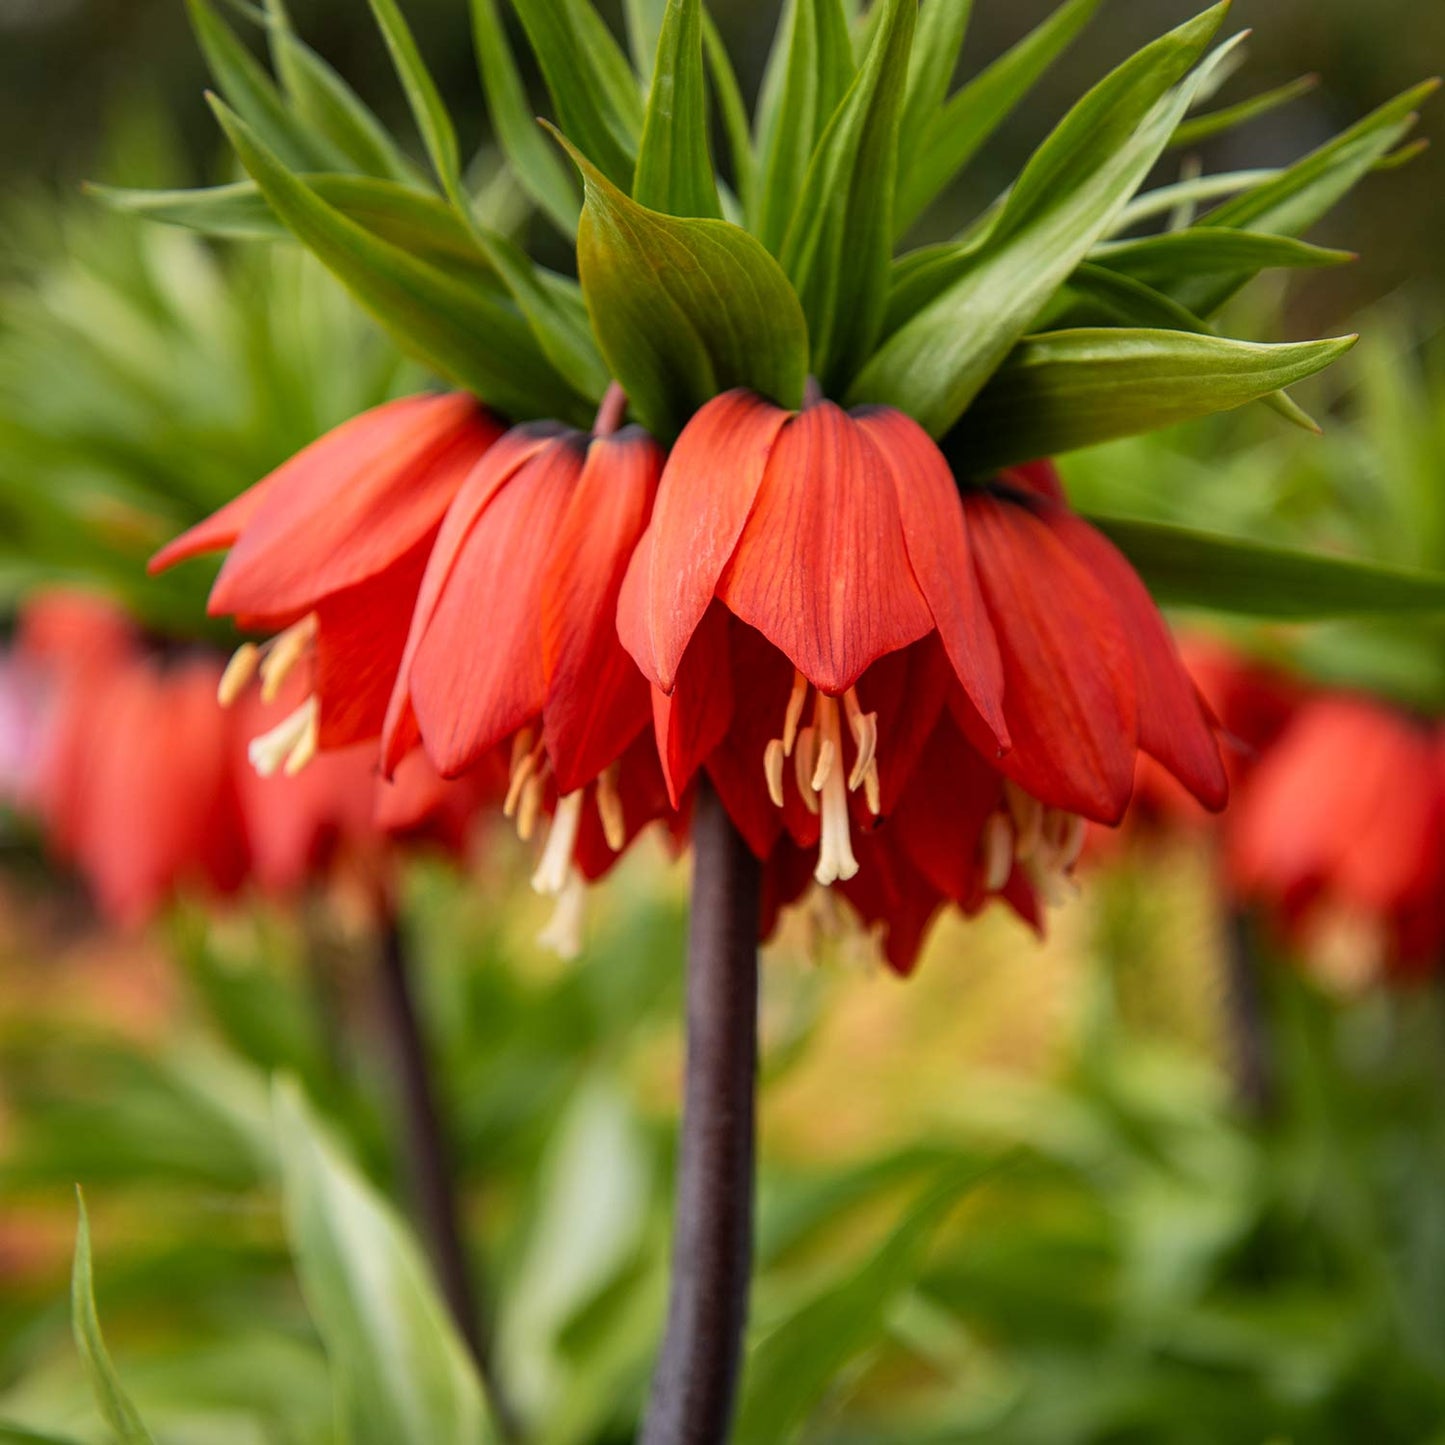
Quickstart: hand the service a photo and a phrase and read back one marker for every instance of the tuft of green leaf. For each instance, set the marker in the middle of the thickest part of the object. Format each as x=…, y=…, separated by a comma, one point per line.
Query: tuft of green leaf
x=1176, y=256
x=809, y=69
x=115, y=1406
x=252, y=94
x=591, y=83
x=938, y=38
x=674, y=167
x=837, y=248
x=684, y=308
x=1064, y=390
x=539, y=170
x=993, y=286
x=326, y=103
x=461, y=331
x=953, y=135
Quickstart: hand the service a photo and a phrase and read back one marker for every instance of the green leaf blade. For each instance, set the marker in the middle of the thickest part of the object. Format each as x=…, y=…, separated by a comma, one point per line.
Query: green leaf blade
x=684, y=308
x=1063, y=390
x=115, y=1406
x=674, y=166
x=836, y=252
x=461, y=331
x=1084, y=173
x=955, y=134
x=403, y=1376
x=1187, y=568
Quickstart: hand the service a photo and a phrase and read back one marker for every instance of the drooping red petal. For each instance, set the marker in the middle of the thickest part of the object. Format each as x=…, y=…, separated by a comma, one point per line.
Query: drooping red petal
x=597, y=700
x=400, y=731
x=1041, y=478
x=473, y=664
x=691, y=721
x=361, y=637
x=890, y=891
x=1173, y=726
x=1068, y=676
x=936, y=535
x=644, y=799
x=346, y=507
x=939, y=819
x=420, y=806
x=820, y=568
x=707, y=490
x=762, y=679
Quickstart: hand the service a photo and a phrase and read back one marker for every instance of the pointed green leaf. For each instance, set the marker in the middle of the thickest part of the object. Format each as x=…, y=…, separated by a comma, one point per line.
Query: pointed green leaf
x=403, y=1375
x=1201, y=128
x=427, y=107
x=1186, y=568
x=810, y=68
x=792, y=1369
x=111, y=1400
x=1293, y=201
x=937, y=40
x=324, y=101
x=418, y=222
x=1168, y=260
x=252, y=94
x=684, y=309
x=837, y=248
x=674, y=167
x=1190, y=192
x=643, y=19
x=1068, y=389
x=1077, y=181
x=561, y=332
x=590, y=81
x=955, y=133
x=734, y=114
x=539, y=170
x=460, y=330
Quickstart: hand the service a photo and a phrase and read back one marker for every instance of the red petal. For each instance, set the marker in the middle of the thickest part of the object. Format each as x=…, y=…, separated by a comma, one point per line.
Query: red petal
x=597, y=701
x=939, y=819
x=1040, y=478
x=821, y=569
x=473, y=663
x=361, y=637
x=695, y=718
x=936, y=534
x=1174, y=728
x=1068, y=678
x=707, y=491
x=347, y=506
x=888, y=889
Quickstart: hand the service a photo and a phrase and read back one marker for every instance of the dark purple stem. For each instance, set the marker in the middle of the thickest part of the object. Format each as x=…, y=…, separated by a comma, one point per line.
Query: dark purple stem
x=695, y=1382
x=430, y=1164
x=1248, y=1024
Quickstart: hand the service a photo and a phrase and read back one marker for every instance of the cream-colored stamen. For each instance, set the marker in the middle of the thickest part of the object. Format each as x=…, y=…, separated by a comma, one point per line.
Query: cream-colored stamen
x=556, y=862
x=805, y=760
x=1028, y=816
x=282, y=654
x=238, y=674
x=529, y=806
x=526, y=757
x=835, y=846
x=292, y=742
x=563, y=934
x=797, y=699
x=773, y=757
x=864, y=727
x=609, y=809
x=997, y=849
x=1071, y=840
x=827, y=753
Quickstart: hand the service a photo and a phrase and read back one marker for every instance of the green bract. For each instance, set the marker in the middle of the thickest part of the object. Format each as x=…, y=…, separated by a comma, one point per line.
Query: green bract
x=1049, y=322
